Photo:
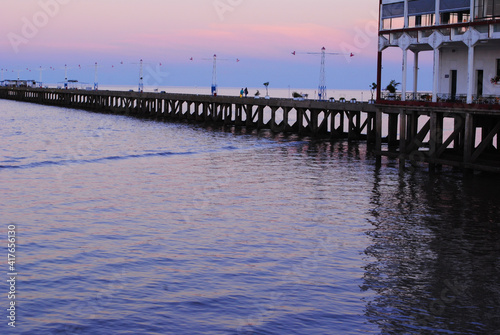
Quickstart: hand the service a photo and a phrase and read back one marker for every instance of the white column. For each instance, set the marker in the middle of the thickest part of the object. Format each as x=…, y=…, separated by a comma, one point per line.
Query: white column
x=406, y=13
x=436, y=75
x=415, y=74
x=470, y=75
x=437, y=14
x=381, y=22
x=472, y=10
x=405, y=66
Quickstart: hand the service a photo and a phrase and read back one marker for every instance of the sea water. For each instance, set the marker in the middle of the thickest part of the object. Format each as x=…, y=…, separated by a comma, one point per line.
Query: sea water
x=133, y=226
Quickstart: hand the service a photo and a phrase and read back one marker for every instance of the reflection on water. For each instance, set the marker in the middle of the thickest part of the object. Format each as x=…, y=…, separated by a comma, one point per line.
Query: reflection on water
x=436, y=244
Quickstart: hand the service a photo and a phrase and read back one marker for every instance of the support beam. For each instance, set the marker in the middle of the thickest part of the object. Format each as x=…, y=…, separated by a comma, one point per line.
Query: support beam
x=415, y=75
x=405, y=74
x=437, y=13
x=435, y=84
x=405, y=13
x=378, y=135
x=469, y=140
x=402, y=139
x=418, y=138
x=379, y=76
x=486, y=142
x=393, y=129
x=433, y=139
x=470, y=75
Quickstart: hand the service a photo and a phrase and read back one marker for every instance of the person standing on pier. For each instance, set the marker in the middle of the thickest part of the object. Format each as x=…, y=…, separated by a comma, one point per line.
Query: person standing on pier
x=241, y=92
x=246, y=92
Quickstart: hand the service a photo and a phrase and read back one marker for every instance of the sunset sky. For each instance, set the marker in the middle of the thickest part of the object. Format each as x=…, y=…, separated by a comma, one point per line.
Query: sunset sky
x=260, y=33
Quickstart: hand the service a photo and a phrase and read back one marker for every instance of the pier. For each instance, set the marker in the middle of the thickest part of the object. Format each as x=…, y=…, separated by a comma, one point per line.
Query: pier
x=465, y=138
x=321, y=119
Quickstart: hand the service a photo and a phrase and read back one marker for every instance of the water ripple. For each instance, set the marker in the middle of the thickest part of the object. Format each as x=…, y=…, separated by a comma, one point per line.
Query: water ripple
x=96, y=160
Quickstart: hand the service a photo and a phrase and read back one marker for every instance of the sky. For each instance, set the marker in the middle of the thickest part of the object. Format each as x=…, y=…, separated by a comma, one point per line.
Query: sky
x=166, y=34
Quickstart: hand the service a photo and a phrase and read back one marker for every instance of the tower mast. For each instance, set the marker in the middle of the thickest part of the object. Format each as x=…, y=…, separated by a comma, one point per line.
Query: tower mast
x=322, y=77
x=322, y=95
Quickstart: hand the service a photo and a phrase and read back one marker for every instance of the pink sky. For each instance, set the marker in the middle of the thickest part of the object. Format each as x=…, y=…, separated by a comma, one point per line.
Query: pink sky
x=261, y=33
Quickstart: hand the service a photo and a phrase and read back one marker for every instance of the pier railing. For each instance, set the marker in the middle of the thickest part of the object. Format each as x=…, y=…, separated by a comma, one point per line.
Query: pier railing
x=425, y=98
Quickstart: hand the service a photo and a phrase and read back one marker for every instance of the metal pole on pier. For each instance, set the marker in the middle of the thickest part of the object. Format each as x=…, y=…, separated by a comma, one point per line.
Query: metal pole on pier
x=65, y=76
x=96, y=85
x=214, y=76
x=141, y=78
x=41, y=77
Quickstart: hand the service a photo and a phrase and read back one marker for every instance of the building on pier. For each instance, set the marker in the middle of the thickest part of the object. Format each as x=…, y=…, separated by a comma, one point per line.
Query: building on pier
x=19, y=83
x=464, y=37
x=73, y=85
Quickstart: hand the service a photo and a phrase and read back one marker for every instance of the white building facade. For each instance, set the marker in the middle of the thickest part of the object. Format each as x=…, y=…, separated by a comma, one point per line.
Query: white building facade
x=464, y=39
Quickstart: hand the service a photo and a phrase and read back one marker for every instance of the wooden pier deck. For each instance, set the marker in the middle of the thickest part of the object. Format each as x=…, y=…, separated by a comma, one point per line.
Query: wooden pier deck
x=465, y=138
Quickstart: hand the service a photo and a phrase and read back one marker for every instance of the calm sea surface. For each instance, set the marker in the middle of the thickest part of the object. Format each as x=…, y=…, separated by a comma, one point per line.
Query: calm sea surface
x=129, y=226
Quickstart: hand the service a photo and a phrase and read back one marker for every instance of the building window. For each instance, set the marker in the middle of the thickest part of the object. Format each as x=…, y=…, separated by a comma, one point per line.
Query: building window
x=453, y=18
x=393, y=10
x=418, y=20
x=455, y=6
x=394, y=23
x=487, y=8
x=421, y=7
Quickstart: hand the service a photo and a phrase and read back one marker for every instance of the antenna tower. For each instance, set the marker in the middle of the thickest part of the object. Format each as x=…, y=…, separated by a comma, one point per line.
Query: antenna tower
x=322, y=94
x=322, y=77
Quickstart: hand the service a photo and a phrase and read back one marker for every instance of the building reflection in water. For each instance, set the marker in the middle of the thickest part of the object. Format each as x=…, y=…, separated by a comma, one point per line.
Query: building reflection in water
x=435, y=259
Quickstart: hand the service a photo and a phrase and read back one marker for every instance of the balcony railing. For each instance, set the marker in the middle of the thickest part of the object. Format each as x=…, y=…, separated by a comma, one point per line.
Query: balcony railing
x=442, y=98
x=420, y=96
x=448, y=97
x=462, y=98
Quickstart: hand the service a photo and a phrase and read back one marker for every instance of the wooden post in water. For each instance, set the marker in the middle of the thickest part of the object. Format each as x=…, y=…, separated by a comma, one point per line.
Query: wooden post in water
x=402, y=139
